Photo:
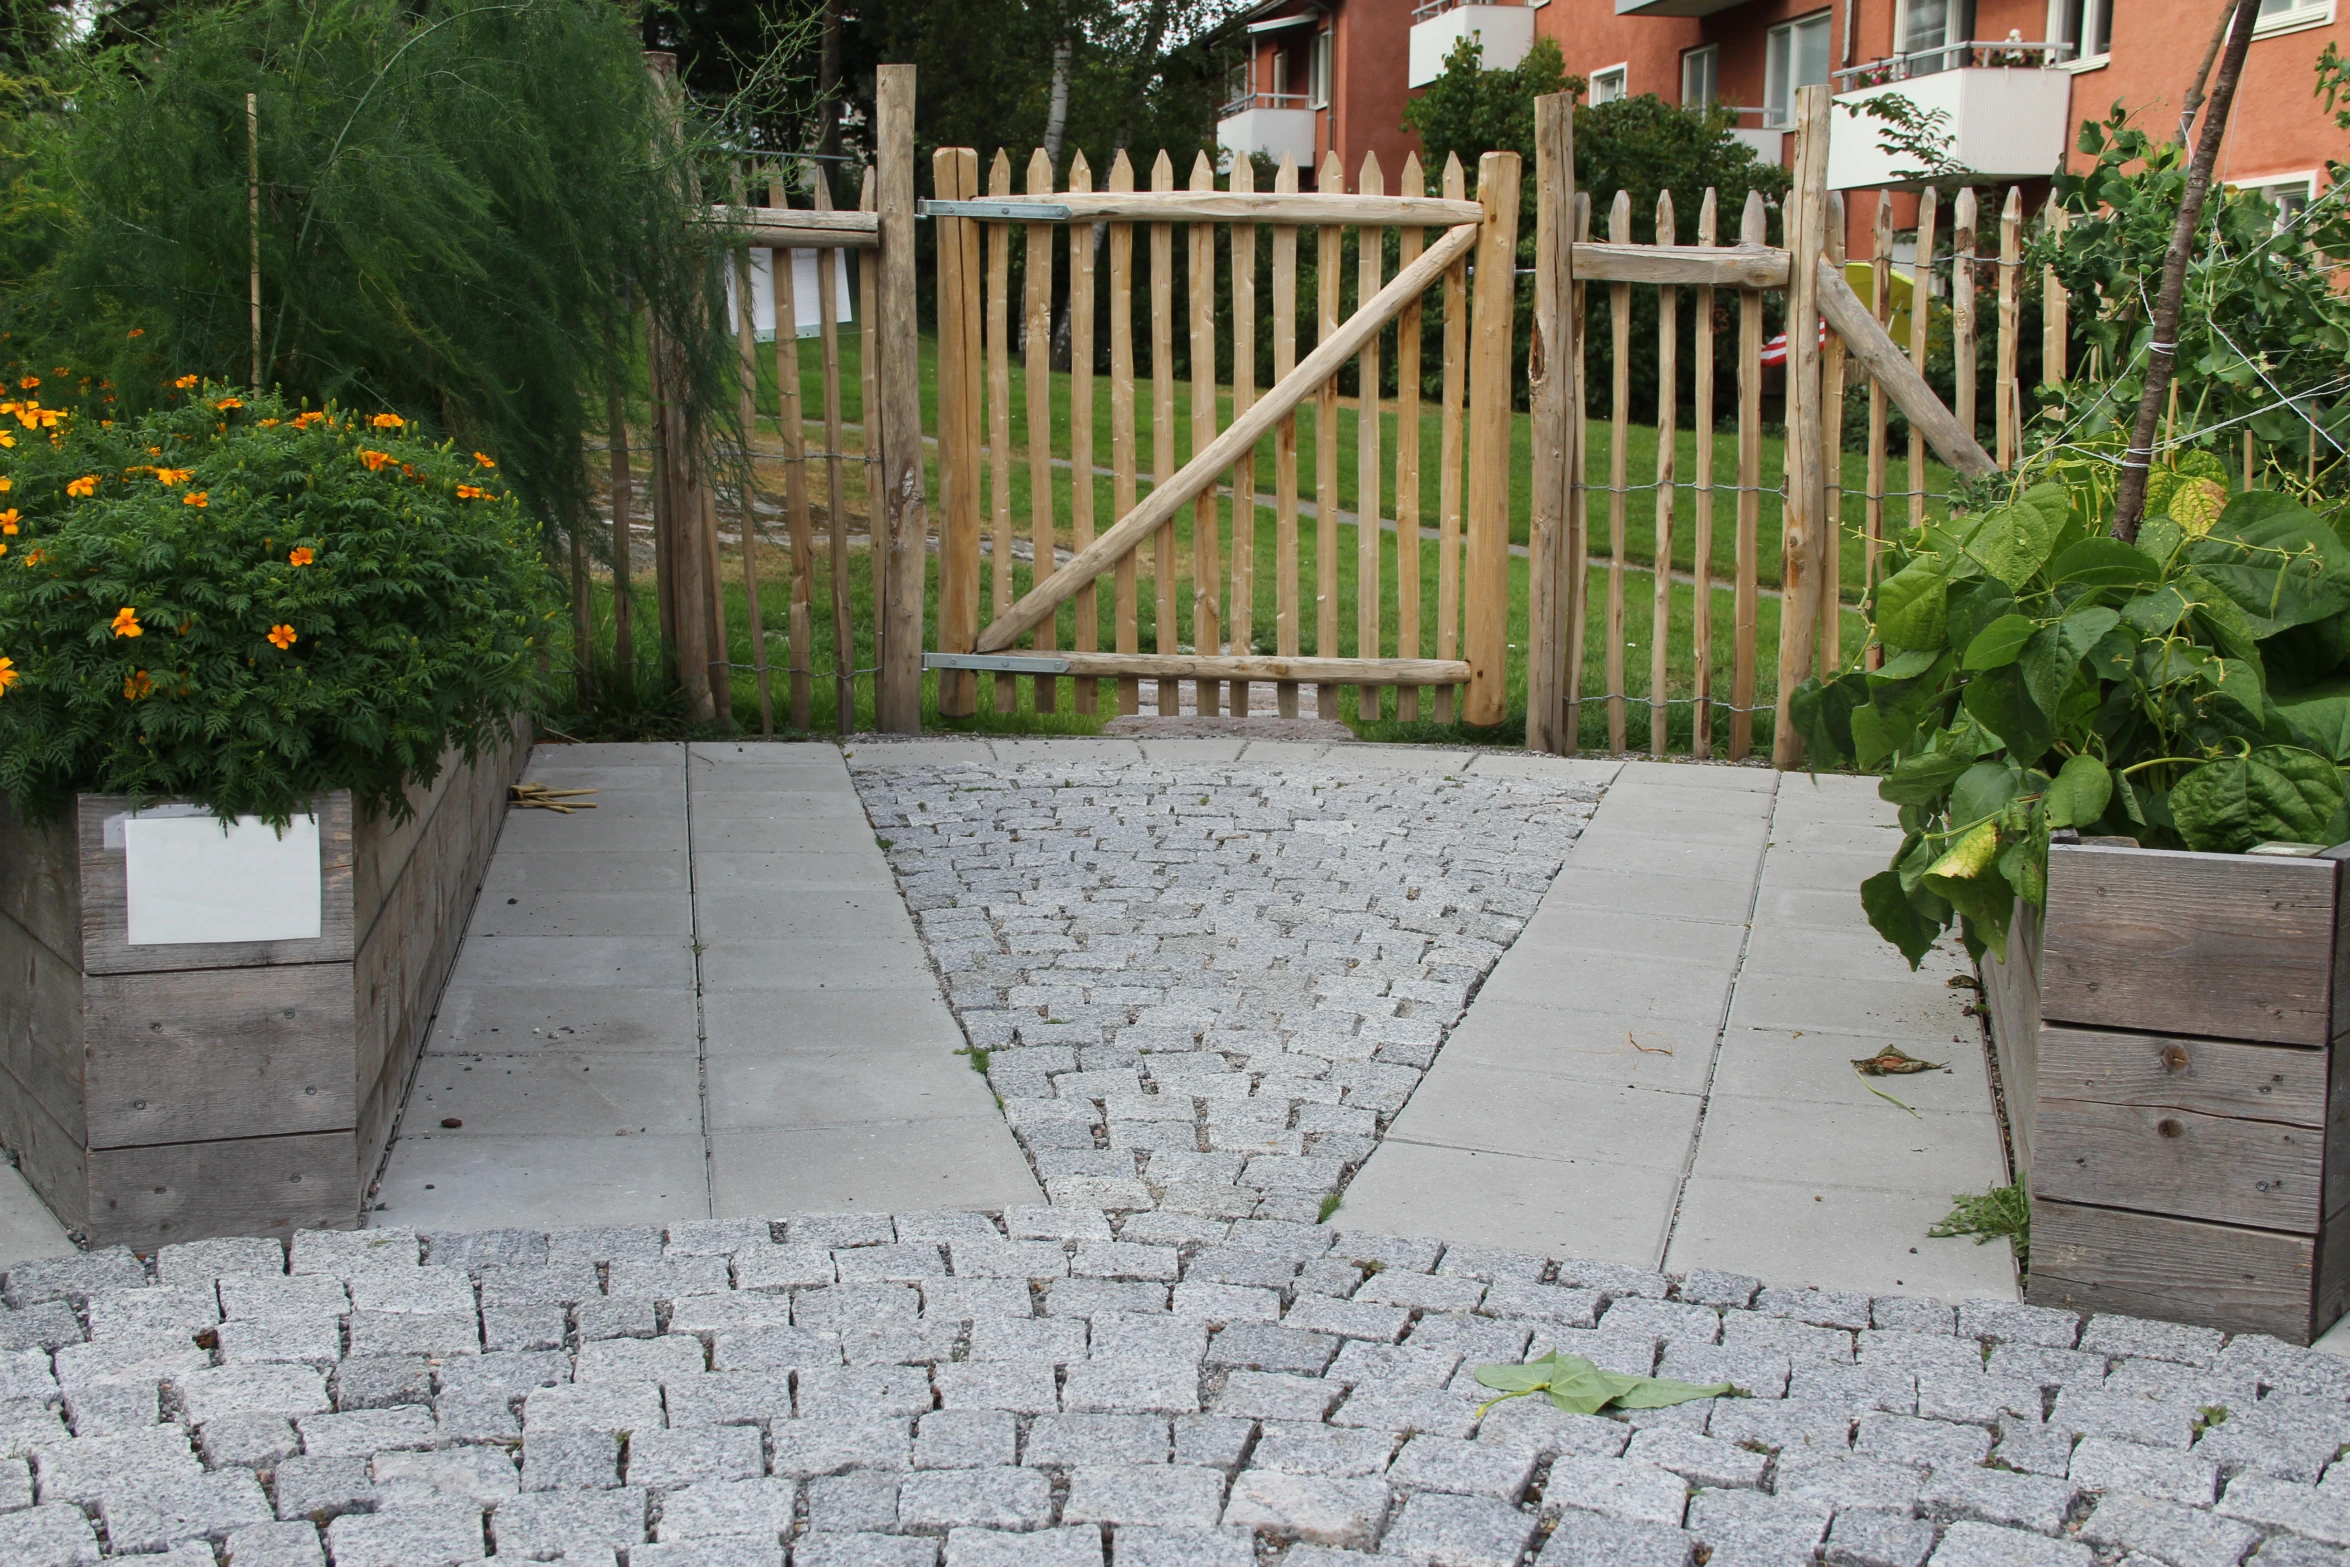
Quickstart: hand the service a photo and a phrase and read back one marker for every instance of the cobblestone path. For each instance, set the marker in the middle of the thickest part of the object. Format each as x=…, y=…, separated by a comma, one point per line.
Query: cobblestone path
x=1204, y=988
x=1042, y=1390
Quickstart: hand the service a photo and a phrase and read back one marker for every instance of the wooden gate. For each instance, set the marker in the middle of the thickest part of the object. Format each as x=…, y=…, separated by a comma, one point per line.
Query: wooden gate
x=1216, y=639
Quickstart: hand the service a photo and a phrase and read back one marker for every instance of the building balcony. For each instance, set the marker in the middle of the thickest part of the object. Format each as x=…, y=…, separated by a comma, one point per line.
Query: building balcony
x=2007, y=112
x=1275, y=124
x=1438, y=26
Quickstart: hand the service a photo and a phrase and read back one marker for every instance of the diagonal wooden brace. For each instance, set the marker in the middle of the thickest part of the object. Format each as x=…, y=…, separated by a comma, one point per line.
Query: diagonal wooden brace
x=1953, y=442
x=1212, y=463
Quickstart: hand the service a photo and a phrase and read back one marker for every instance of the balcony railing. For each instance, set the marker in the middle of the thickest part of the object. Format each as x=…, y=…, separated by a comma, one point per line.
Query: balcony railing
x=1430, y=9
x=1264, y=100
x=2011, y=53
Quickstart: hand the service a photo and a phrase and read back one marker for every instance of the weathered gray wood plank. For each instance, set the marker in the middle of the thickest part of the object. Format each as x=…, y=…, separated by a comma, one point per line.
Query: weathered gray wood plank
x=39, y=885
x=2230, y=946
x=2184, y=1270
x=2011, y=994
x=41, y=1027
x=200, y=1054
x=106, y=948
x=235, y=1186
x=2212, y=1076
x=2170, y=1161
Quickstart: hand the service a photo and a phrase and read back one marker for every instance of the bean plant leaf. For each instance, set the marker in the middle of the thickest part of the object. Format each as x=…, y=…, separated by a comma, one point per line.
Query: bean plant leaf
x=2013, y=543
x=2274, y=792
x=1895, y=917
x=1997, y=644
x=2282, y=569
x=2319, y=718
x=1923, y=779
x=2102, y=563
x=1999, y=702
x=1892, y=1061
x=1581, y=1388
x=1911, y=607
x=2079, y=793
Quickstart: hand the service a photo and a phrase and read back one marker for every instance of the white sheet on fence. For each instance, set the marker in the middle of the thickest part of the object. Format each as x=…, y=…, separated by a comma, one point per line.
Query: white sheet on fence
x=807, y=318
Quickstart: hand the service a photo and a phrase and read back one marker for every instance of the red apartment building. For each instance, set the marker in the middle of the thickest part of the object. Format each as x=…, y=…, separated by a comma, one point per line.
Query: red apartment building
x=2016, y=77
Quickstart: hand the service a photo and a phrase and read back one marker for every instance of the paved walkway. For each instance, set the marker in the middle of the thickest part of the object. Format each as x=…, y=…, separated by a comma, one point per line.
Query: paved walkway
x=703, y=998
x=1659, y=1070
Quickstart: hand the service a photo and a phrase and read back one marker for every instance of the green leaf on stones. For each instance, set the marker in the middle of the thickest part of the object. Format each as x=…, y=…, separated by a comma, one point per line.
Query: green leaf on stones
x=1581, y=1388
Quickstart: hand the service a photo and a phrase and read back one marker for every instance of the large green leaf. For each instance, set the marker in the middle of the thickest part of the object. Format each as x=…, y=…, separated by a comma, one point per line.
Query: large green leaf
x=2276, y=792
x=1974, y=605
x=2233, y=630
x=1923, y=780
x=2078, y=794
x=1822, y=713
x=1997, y=644
x=2319, y=718
x=2013, y=543
x=2280, y=565
x=1893, y=916
x=2102, y=563
x=1983, y=790
x=1911, y=609
x=2000, y=704
x=1579, y=1387
x=1986, y=899
x=2155, y=614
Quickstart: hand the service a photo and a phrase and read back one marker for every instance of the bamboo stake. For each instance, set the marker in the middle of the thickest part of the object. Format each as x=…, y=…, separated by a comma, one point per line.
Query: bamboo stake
x=1832, y=463
x=1036, y=360
x=1881, y=304
x=1803, y=554
x=1124, y=447
x=1081, y=481
x=1486, y=575
x=665, y=567
x=1753, y=227
x=1921, y=310
x=746, y=347
x=1448, y=455
x=1619, y=313
x=2055, y=307
x=1286, y=599
x=1701, y=624
x=1370, y=268
x=1326, y=276
x=958, y=470
x=1668, y=401
x=1962, y=308
x=1004, y=698
x=1163, y=428
x=791, y=425
x=2011, y=264
x=623, y=535
x=1407, y=453
x=836, y=502
x=1240, y=621
x=1206, y=557
x=721, y=651
x=1550, y=367
x=253, y=224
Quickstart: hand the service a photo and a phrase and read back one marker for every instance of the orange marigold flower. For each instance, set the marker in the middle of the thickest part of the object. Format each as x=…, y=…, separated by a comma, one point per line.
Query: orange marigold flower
x=268, y=424
x=281, y=637
x=137, y=686
x=388, y=422
x=29, y=382
x=483, y=459
x=9, y=674
x=126, y=623
x=6, y=484
x=230, y=402
x=197, y=498
x=34, y=557
x=470, y=492
x=86, y=485
x=301, y=556
x=6, y=439
x=305, y=421
x=186, y=381
x=374, y=460
x=173, y=475
x=138, y=331
x=9, y=520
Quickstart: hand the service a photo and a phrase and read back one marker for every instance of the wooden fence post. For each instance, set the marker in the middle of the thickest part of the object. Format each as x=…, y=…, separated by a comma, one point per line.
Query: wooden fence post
x=1701, y=555
x=1921, y=310
x=1549, y=622
x=898, y=691
x=1487, y=573
x=1753, y=229
x=958, y=469
x=1807, y=501
x=2010, y=404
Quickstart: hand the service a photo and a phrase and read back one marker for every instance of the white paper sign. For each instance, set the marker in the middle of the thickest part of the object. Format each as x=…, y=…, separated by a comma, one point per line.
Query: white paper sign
x=190, y=879
x=807, y=305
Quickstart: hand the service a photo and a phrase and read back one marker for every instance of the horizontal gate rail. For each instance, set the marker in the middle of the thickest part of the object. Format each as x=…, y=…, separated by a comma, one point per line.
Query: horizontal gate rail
x=1186, y=666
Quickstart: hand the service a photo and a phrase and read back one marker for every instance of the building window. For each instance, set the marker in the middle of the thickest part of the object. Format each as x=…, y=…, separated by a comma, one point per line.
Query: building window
x=2289, y=194
x=1797, y=57
x=1280, y=78
x=1928, y=26
x=1610, y=84
x=1698, y=69
x=2286, y=16
x=2086, y=25
x=1318, y=74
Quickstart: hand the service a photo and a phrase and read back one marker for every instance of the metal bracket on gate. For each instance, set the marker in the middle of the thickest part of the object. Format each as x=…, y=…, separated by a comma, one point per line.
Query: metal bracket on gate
x=1000, y=663
x=998, y=211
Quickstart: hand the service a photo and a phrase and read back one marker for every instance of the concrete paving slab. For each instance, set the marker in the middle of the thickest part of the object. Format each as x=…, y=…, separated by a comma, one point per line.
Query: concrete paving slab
x=1876, y=1145
x=801, y=870
x=656, y=800
x=1408, y=759
x=445, y=1181
x=1193, y=750
x=1287, y=753
x=826, y=914
x=1845, y=955
x=1075, y=748
x=1559, y=927
x=1833, y=1237
x=1654, y=988
x=1917, y=1007
x=1816, y=1066
x=601, y=913
x=546, y=832
x=866, y=751
x=1726, y=862
x=811, y=1086
x=868, y=1021
x=1666, y=824
x=1585, y=1046
x=574, y=962
x=1592, y=772
x=817, y=965
x=1566, y=1207
x=866, y=1169
x=1813, y=908
x=1828, y=870
x=510, y=1019
x=28, y=1230
x=559, y=1092
x=822, y=754
x=1727, y=776
x=1496, y=1109
x=753, y=802
x=794, y=835
x=1611, y=889
x=632, y=870
x=556, y=775
x=608, y=753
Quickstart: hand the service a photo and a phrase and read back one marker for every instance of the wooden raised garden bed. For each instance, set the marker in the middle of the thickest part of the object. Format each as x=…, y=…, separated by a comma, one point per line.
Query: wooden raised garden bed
x=2179, y=1101
x=166, y=1092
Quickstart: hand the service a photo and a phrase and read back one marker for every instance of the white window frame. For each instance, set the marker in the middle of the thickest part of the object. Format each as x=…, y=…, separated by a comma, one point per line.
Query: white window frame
x=1958, y=22
x=1711, y=55
x=1621, y=72
x=2296, y=17
x=1778, y=69
x=2263, y=184
x=1321, y=66
x=2100, y=11
x=1280, y=77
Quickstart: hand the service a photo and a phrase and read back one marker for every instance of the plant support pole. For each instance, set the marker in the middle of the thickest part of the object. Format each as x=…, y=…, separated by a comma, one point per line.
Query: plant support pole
x=2162, y=346
x=253, y=221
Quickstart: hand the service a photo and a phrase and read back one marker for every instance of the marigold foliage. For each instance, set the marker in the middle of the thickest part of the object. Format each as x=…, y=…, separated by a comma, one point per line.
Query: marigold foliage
x=137, y=631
